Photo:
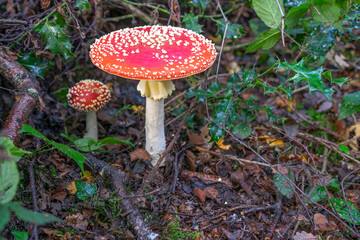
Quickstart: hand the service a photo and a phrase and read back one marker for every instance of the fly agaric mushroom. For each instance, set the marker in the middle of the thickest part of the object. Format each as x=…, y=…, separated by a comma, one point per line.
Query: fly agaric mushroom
x=154, y=55
x=89, y=95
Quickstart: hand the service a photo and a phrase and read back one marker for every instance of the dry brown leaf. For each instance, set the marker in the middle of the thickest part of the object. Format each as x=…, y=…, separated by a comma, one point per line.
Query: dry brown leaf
x=72, y=188
x=190, y=159
x=10, y=6
x=211, y=192
x=45, y=4
x=139, y=154
x=282, y=169
x=200, y=194
x=78, y=220
x=356, y=129
x=60, y=196
x=322, y=224
x=305, y=236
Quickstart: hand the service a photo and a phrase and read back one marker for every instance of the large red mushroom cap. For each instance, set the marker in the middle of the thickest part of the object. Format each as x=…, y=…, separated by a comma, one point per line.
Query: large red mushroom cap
x=153, y=53
x=88, y=95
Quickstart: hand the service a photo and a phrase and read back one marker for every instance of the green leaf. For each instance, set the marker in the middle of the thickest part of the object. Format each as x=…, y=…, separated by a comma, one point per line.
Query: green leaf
x=243, y=129
x=5, y=216
x=219, y=115
x=269, y=12
x=344, y=149
x=83, y=4
x=75, y=155
x=87, y=144
x=350, y=105
x=61, y=94
x=341, y=208
x=34, y=64
x=318, y=194
x=14, y=153
x=114, y=140
x=56, y=39
x=85, y=190
x=313, y=77
x=20, y=235
x=234, y=31
x=324, y=41
x=32, y=131
x=200, y=3
x=294, y=14
x=257, y=26
x=282, y=184
x=330, y=13
x=334, y=185
x=338, y=81
x=190, y=21
x=265, y=40
x=31, y=216
x=9, y=179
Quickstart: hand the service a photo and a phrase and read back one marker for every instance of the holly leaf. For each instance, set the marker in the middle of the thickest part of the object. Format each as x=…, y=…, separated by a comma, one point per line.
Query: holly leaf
x=34, y=64
x=324, y=41
x=350, y=105
x=190, y=21
x=83, y=4
x=338, y=81
x=234, y=31
x=313, y=77
x=56, y=39
x=269, y=12
x=265, y=40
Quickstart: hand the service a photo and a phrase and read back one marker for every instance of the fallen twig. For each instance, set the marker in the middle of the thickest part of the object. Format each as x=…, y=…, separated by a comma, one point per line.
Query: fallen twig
x=116, y=176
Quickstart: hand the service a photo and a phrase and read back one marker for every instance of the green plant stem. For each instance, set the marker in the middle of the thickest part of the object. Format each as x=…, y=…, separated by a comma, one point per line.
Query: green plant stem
x=268, y=70
x=219, y=15
x=167, y=12
x=147, y=5
x=36, y=25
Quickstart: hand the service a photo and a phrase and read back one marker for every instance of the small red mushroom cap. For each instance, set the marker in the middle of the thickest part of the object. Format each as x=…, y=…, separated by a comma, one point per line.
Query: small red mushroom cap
x=153, y=53
x=88, y=95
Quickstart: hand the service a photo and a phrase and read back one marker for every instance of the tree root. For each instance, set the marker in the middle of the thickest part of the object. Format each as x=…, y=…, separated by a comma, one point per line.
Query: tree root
x=116, y=176
x=26, y=97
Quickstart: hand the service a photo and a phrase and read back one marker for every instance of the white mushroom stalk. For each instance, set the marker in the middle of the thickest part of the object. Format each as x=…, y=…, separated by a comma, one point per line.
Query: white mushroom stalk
x=154, y=55
x=91, y=125
x=155, y=92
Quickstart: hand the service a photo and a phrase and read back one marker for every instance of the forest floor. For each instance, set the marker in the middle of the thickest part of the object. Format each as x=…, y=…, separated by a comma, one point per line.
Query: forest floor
x=282, y=181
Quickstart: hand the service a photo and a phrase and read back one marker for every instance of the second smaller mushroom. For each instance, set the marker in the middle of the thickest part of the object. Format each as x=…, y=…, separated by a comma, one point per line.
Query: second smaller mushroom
x=89, y=96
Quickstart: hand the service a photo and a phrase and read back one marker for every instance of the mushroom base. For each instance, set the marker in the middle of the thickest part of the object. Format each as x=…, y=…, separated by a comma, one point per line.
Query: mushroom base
x=155, y=89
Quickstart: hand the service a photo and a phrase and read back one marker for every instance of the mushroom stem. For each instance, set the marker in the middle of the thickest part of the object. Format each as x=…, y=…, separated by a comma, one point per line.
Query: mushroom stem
x=154, y=128
x=91, y=125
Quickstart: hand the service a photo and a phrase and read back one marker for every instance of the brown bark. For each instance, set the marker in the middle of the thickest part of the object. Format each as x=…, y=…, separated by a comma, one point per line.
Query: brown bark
x=26, y=98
